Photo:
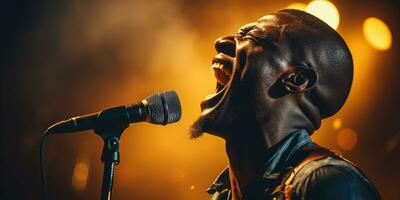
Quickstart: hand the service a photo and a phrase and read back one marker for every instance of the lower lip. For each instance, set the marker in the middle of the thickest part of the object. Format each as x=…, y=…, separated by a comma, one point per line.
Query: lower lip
x=212, y=101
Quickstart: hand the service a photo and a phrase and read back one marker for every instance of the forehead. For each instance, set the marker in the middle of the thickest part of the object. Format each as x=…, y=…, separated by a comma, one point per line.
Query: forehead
x=262, y=23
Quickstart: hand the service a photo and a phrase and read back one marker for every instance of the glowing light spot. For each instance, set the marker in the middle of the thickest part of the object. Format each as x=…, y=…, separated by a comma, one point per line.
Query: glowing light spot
x=182, y=176
x=377, y=34
x=192, y=187
x=324, y=10
x=337, y=124
x=347, y=139
x=393, y=143
x=80, y=176
x=297, y=6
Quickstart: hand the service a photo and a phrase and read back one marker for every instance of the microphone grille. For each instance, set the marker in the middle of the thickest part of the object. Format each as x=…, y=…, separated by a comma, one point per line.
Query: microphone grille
x=164, y=107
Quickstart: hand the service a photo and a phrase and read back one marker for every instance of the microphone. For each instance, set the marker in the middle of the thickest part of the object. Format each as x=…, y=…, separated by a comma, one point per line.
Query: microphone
x=160, y=108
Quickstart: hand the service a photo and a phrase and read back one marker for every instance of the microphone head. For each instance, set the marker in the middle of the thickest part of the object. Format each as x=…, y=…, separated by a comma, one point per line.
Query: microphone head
x=164, y=108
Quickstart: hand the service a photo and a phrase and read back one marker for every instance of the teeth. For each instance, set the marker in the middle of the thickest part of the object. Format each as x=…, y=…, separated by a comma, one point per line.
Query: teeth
x=223, y=68
x=210, y=96
x=221, y=73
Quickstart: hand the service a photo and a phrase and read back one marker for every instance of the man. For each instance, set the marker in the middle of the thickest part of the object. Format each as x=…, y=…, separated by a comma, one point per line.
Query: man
x=276, y=80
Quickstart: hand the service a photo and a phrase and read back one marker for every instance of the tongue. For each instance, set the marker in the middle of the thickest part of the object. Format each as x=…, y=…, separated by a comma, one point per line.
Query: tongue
x=221, y=76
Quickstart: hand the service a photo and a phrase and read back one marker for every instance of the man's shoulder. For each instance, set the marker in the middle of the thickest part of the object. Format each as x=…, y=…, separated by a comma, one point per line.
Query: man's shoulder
x=332, y=178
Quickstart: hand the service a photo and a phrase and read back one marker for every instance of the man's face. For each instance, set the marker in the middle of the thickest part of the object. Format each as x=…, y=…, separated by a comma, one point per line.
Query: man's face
x=246, y=66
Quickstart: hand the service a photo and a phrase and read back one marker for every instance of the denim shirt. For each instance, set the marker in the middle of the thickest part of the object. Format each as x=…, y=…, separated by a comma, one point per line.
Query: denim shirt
x=328, y=178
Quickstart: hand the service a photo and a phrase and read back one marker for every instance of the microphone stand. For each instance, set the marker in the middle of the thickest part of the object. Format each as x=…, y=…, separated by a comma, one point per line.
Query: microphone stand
x=109, y=124
x=110, y=156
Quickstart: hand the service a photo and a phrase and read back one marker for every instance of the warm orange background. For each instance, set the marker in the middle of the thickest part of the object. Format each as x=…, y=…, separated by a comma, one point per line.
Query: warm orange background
x=72, y=57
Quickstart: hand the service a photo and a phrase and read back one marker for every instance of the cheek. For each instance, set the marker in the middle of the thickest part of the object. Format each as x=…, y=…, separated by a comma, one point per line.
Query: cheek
x=263, y=80
x=247, y=56
x=261, y=85
x=256, y=79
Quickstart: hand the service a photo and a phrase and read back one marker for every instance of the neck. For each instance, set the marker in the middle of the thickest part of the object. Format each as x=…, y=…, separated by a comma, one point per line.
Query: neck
x=249, y=148
x=247, y=152
x=245, y=158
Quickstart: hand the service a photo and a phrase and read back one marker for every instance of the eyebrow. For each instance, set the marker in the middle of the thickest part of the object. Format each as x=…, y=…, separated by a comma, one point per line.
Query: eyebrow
x=258, y=35
x=246, y=28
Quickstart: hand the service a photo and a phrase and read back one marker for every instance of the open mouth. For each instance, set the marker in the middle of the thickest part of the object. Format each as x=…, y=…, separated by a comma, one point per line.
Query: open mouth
x=222, y=69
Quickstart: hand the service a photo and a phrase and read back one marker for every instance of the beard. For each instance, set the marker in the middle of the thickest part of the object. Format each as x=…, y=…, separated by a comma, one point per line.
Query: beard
x=202, y=124
x=199, y=127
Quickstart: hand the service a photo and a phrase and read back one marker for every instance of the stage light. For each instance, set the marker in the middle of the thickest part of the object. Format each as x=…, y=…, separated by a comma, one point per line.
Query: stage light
x=337, y=124
x=347, y=139
x=80, y=176
x=377, y=34
x=297, y=6
x=324, y=10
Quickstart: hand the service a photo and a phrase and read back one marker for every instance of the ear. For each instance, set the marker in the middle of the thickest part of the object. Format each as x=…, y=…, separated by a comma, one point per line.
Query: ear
x=300, y=80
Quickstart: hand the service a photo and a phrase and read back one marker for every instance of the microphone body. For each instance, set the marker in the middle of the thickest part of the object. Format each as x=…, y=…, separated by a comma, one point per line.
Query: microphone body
x=160, y=108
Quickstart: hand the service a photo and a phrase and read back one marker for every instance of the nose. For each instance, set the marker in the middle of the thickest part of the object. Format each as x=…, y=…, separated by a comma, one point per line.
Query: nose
x=226, y=45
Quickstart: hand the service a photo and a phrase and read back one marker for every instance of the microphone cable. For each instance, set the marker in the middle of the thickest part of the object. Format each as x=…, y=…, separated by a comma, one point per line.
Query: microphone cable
x=42, y=163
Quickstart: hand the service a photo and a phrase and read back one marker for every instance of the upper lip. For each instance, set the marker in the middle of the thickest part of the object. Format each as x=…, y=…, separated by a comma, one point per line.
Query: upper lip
x=225, y=60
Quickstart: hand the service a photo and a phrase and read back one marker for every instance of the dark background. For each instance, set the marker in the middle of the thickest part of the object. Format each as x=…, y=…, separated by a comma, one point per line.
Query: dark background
x=69, y=57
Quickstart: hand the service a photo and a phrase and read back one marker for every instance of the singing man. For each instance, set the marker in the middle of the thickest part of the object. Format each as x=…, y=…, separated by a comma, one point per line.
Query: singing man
x=277, y=78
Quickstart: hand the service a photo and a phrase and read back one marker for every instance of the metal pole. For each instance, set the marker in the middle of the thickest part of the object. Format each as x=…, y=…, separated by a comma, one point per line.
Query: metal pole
x=110, y=158
x=108, y=178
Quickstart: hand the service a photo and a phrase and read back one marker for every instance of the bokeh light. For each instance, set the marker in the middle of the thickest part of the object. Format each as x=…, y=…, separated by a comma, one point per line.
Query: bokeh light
x=393, y=143
x=337, y=124
x=324, y=10
x=80, y=176
x=377, y=34
x=297, y=6
x=347, y=139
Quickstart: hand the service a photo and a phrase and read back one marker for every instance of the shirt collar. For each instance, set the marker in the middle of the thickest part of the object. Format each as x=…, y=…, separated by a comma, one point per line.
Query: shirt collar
x=283, y=152
x=286, y=149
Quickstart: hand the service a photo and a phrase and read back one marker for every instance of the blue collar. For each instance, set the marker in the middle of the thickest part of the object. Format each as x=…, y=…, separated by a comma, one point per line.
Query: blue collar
x=286, y=148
